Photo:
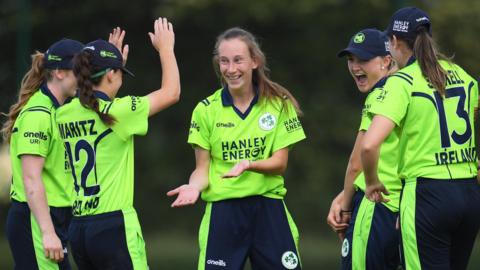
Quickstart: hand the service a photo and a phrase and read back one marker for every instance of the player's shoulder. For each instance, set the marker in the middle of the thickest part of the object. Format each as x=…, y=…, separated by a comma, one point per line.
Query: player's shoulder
x=38, y=104
x=211, y=102
x=404, y=76
x=458, y=70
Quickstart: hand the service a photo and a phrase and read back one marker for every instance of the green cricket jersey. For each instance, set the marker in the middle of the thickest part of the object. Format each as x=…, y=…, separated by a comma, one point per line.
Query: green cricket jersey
x=34, y=133
x=102, y=156
x=388, y=158
x=232, y=136
x=437, y=133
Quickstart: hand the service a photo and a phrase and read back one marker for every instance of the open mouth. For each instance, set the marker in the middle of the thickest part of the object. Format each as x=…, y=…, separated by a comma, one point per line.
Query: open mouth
x=361, y=79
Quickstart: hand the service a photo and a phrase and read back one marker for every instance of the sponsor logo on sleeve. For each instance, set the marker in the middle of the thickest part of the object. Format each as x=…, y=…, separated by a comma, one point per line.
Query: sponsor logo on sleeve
x=35, y=137
x=194, y=125
x=292, y=124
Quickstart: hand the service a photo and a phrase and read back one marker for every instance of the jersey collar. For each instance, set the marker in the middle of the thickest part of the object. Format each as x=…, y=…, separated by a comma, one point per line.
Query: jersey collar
x=48, y=93
x=411, y=60
x=227, y=100
x=101, y=95
x=380, y=83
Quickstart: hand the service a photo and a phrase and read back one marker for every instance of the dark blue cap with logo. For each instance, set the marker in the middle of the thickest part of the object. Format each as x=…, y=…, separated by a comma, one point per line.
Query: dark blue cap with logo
x=61, y=53
x=405, y=22
x=367, y=44
x=105, y=56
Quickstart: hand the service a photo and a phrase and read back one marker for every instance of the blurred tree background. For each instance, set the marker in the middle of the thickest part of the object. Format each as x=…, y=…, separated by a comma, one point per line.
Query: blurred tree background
x=300, y=38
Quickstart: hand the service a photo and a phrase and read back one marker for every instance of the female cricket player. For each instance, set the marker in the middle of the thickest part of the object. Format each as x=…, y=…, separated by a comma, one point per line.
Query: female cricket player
x=97, y=129
x=41, y=193
x=242, y=135
x=371, y=239
x=432, y=101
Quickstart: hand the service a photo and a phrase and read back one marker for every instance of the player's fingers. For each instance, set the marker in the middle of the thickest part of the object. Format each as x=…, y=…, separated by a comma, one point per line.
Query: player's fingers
x=173, y=192
x=126, y=49
x=170, y=26
x=338, y=216
x=165, y=24
x=57, y=255
x=121, y=36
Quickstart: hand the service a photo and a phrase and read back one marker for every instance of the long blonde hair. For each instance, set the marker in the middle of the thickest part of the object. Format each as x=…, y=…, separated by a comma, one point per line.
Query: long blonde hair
x=30, y=84
x=267, y=88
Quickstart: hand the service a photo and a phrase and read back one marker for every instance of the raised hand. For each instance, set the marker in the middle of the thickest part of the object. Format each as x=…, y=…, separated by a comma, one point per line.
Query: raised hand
x=238, y=169
x=116, y=38
x=187, y=195
x=163, y=37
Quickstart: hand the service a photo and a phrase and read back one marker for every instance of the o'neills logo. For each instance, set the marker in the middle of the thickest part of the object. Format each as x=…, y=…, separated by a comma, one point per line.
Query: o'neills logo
x=217, y=263
x=36, y=135
x=226, y=125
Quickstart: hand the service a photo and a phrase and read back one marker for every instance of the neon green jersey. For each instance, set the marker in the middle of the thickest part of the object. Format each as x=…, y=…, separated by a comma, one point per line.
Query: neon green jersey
x=437, y=139
x=231, y=136
x=102, y=156
x=388, y=158
x=34, y=133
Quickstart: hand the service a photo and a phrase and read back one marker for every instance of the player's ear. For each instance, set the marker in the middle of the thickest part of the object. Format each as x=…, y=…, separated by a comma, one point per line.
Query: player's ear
x=110, y=75
x=58, y=74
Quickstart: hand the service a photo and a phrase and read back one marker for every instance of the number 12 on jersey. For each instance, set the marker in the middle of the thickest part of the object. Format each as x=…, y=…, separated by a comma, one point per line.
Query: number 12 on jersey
x=83, y=146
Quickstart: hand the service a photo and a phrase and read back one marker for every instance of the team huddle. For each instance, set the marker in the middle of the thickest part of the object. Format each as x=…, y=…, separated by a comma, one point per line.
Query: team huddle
x=410, y=193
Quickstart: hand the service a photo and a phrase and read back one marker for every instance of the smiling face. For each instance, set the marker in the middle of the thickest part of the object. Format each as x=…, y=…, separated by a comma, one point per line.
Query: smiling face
x=367, y=73
x=236, y=65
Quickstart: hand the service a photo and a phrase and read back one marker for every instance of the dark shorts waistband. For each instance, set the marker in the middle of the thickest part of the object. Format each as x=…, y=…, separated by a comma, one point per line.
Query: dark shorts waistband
x=117, y=213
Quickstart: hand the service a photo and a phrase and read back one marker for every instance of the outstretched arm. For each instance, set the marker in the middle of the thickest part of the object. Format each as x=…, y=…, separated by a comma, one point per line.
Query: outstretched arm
x=188, y=194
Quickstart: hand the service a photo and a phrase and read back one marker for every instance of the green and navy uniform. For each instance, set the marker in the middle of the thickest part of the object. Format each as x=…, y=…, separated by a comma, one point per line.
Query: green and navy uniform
x=105, y=231
x=440, y=199
x=35, y=133
x=371, y=240
x=245, y=216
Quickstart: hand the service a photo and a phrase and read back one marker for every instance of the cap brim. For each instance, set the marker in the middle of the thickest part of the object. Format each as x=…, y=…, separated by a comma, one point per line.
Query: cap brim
x=363, y=55
x=127, y=71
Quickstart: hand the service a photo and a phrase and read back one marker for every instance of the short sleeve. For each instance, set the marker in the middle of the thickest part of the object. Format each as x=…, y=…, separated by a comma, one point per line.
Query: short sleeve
x=131, y=114
x=199, y=133
x=393, y=101
x=289, y=129
x=34, y=133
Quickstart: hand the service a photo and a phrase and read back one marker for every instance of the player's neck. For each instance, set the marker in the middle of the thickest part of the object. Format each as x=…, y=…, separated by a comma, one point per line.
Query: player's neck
x=56, y=92
x=242, y=98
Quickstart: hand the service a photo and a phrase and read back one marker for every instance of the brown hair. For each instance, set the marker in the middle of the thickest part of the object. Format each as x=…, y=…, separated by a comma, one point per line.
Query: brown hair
x=83, y=71
x=30, y=84
x=266, y=87
x=428, y=56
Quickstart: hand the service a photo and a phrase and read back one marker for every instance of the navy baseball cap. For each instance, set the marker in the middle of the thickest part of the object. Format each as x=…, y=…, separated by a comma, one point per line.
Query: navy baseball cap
x=405, y=22
x=61, y=53
x=367, y=44
x=105, y=56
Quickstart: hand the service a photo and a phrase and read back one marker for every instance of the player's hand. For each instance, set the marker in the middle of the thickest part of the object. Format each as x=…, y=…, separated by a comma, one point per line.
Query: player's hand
x=337, y=219
x=375, y=192
x=238, y=169
x=116, y=38
x=163, y=37
x=187, y=195
x=52, y=246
